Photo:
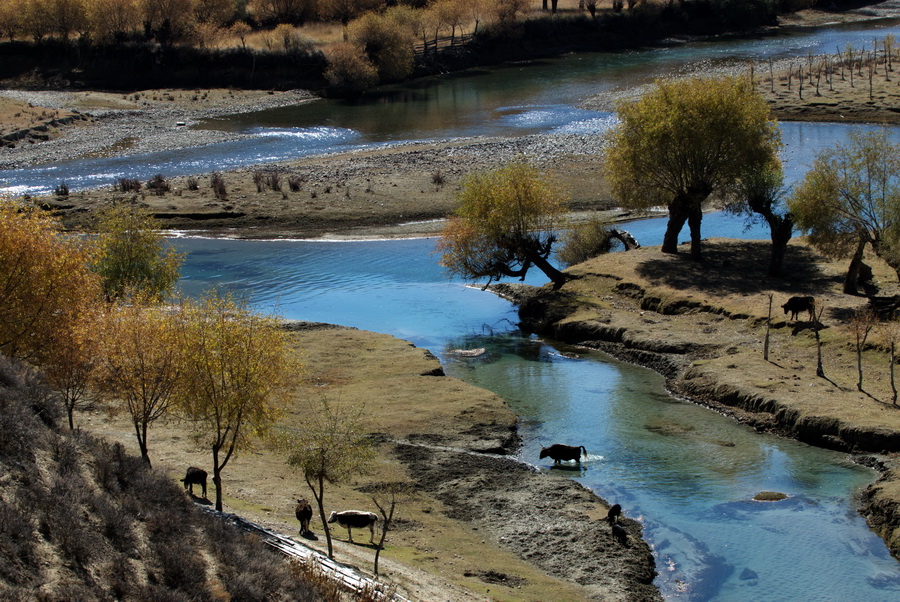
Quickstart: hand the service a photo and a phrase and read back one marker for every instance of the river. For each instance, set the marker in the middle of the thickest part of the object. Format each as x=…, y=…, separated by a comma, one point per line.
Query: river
x=687, y=473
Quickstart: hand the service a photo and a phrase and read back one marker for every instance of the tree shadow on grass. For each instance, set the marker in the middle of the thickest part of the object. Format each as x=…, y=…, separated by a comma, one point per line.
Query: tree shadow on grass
x=739, y=267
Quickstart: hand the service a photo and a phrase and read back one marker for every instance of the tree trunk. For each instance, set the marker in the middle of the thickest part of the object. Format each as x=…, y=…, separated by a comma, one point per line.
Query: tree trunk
x=217, y=478
x=850, y=280
x=544, y=8
x=781, y=228
x=893, y=380
x=677, y=217
x=320, y=501
x=553, y=5
x=694, y=219
x=141, y=434
x=558, y=278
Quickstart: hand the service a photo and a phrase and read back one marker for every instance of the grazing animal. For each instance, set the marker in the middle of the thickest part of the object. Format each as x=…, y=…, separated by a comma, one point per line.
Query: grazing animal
x=355, y=519
x=613, y=515
x=619, y=532
x=194, y=476
x=795, y=305
x=303, y=511
x=559, y=452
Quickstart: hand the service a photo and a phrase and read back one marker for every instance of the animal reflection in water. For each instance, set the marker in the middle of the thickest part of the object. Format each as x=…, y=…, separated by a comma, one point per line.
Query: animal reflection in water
x=560, y=453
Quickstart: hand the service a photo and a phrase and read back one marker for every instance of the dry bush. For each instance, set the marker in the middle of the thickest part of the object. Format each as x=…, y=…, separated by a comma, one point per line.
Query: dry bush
x=273, y=180
x=17, y=545
x=295, y=183
x=251, y=570
x=182, y=568
x=350, y=71
x=259, y=179
x=159, y=185
x=217, y=183
x=192, y=183
x=128, y=185
x=22, y=400
x=93, y=504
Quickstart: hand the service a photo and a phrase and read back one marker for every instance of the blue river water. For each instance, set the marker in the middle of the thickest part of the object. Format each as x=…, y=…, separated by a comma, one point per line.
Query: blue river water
x=687, y=473
x=512, y=100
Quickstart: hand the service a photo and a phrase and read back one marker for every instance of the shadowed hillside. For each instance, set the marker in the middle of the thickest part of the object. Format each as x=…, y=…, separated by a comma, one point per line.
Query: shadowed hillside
x=82, y=520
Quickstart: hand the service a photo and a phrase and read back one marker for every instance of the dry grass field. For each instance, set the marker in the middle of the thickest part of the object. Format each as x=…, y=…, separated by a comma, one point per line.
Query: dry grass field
x=429, y=555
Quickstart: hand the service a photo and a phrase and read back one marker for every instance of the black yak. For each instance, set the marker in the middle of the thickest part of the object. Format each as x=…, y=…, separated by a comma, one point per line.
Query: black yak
x=795, y=305
x=303, y=511
x=559, y=452
x=195, y=476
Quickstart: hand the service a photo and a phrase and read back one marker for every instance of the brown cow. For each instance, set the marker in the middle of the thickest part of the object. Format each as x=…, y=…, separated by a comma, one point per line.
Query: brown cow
x=303, y=511
x=795, y=305
x=559, y=452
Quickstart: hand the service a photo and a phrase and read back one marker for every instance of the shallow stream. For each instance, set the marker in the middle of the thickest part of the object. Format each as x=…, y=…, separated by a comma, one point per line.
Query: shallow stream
x=686, y=472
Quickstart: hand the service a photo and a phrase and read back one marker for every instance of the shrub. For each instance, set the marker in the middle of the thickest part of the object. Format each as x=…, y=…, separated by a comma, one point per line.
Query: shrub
x=273, y=180
x=158, y=184
x=388, y=43
x=182, y=568
x=63, y=524
x=217, y=183
x=437, y=178
x=62, y=189
x=259, y=179
x=23, y=399
x=192, y=183
x=586, y=240
x=17, y=545
x=350, y=71
x=128, y=185
x=295, y=183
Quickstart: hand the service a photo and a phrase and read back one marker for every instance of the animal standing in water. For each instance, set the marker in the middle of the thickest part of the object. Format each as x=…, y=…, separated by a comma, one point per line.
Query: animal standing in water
x=560, y=452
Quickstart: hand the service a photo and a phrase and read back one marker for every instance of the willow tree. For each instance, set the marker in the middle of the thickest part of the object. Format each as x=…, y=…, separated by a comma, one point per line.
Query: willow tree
x=850, y=199
x=684, y=141
x=140, y=364
x=237, y=367
x=134, y=255
x=506, y=223
x=760, y=196
x=333, y=446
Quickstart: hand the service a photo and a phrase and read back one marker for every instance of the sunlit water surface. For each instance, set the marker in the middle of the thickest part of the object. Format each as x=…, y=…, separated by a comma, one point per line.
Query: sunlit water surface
x=514, y=100
x=687, y=473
